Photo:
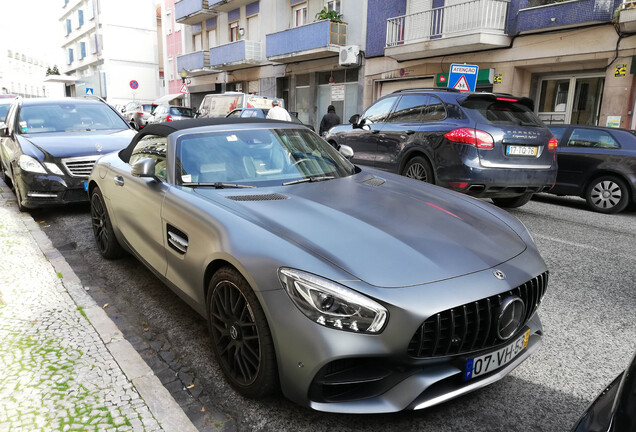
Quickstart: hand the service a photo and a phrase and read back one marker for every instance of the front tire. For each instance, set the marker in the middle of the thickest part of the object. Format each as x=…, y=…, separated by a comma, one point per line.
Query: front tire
x=241, y=338
x=513, y=202
x=418, y=168
x=18, y=193
x=607, y=194
x=107, y=243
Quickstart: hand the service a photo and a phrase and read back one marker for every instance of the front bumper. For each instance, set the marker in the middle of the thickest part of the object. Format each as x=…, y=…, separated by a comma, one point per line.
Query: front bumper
x=44, y=190
x=337, y=371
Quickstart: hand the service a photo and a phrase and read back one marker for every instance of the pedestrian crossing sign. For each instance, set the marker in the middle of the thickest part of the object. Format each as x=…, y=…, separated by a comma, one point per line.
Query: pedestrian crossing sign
x=89, y=91
x=463, y=77
x=461, y=84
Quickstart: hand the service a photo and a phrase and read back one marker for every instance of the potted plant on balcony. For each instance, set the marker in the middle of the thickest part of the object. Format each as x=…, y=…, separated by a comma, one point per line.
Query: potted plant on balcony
x=330, y=15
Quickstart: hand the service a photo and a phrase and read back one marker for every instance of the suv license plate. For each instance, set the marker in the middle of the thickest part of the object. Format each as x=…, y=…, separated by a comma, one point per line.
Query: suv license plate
x=514, y=150
x=481, y=365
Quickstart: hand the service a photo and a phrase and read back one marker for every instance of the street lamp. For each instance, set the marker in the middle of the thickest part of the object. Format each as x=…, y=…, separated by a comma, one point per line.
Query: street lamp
x=183, y=74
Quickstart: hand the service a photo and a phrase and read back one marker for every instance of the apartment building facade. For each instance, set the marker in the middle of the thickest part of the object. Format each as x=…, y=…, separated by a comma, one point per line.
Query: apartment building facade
x=22, y=74
x=573, y=58
x=110, y=49
x=277, y=48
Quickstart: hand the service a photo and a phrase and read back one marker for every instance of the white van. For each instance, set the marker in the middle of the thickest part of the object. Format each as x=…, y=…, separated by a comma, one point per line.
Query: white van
x=220, y=104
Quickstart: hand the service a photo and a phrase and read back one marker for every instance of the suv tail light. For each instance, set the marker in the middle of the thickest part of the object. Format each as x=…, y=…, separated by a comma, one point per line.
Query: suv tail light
x=168, y=117
x=553, y=143
x=474, y=137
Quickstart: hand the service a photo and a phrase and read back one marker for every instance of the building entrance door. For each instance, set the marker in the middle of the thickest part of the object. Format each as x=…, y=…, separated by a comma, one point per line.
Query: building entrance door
x=571, y=99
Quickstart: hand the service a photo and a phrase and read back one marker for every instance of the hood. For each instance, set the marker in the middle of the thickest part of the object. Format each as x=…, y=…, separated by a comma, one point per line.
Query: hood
x=72, y=144
x=399, y=233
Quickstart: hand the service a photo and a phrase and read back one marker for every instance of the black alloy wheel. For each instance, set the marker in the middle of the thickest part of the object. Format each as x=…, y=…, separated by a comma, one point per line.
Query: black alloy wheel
x=418, y=168
x=513, y=202
x=241, y=338
x=607, y=194
x=107, y=244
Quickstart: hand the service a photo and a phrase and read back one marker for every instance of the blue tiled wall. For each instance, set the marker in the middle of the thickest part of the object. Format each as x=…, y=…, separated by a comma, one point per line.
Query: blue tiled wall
x=210, y=23
x=234, y=15
x=192, y=61
x=187, y=7
x=302, y=38
x=252, y=8
x=566, y=13
x=378, y=12
x=228, y=53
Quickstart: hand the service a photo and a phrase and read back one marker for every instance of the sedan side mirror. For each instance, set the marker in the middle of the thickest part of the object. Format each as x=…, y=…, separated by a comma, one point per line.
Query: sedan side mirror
x=354, y=119
x=346, y=151
x=4, y=130
x=144, y=168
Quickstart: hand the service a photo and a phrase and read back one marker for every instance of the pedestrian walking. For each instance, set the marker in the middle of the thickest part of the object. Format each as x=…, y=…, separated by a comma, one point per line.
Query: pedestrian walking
x=277, y=112
x=329, y=120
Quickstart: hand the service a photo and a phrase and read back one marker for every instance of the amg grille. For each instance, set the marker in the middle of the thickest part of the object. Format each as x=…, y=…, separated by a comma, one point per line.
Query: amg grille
x=471, y=326
x=80, y=166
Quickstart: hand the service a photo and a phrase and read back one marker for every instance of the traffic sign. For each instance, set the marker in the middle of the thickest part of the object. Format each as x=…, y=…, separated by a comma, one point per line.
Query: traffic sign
x=184, y=89
x=89, y=91
x=463, y=77
x=134, y=85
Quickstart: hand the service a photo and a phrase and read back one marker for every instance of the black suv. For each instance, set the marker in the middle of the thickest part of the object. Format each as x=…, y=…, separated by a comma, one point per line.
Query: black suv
x=487, y=145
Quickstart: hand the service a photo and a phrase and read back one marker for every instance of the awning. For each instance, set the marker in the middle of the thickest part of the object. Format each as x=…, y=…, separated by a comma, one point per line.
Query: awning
x=167, y=98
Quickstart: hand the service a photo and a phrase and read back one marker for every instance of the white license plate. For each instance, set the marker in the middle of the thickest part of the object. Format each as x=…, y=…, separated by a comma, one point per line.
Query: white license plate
x=514, y=150
x=489, y=362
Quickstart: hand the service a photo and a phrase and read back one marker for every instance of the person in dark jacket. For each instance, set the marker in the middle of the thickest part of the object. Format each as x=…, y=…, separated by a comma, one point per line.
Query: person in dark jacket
x=329, y=120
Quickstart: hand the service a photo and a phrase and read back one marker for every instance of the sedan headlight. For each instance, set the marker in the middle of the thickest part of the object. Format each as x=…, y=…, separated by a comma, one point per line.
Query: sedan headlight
x=28, y=163
x=332, y=305
x=53, y=168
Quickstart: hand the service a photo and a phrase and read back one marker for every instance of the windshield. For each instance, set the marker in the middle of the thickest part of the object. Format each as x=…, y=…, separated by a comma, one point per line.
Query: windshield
x=257, y=157
x=502, y=113
x=68, y=117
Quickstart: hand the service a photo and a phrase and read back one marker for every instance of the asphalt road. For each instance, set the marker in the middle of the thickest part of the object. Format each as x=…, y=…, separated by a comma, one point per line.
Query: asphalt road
x=588, y=317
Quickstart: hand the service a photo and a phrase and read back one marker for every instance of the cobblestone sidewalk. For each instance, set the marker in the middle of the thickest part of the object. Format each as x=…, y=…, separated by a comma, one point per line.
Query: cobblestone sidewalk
x=56, y=372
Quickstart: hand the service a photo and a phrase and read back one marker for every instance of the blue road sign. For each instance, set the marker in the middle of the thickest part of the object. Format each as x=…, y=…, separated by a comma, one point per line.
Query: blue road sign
x=89, y=91
x=463, y=77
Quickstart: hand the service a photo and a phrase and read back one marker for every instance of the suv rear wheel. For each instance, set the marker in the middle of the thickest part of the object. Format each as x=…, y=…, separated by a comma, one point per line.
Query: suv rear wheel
x=418, y=168
x=513, y=202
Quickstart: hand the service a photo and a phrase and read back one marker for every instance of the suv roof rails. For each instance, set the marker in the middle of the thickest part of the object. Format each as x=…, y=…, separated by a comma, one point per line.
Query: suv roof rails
x=415, y=89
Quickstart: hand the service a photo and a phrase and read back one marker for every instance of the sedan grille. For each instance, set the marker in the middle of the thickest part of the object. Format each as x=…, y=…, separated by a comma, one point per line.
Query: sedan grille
x=79, y=166
x=471, y=326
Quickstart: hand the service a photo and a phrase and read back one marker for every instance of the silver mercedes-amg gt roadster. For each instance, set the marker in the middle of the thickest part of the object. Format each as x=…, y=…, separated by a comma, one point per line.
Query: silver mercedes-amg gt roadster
x=352, y=290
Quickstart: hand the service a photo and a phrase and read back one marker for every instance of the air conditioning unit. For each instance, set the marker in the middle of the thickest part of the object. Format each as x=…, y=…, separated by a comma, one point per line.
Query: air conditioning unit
x=349, y=55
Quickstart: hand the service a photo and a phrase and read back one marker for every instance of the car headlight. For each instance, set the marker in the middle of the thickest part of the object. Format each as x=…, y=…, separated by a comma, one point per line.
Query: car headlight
x=28, y=163
x=53, y=168
x=332, y=305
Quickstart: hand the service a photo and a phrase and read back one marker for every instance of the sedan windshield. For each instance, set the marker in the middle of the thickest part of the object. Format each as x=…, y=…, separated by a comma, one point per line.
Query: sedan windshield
x=68, y=117
x=257, y=157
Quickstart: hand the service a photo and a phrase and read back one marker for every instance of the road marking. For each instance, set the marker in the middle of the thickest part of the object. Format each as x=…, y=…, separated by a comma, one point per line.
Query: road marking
x=569, y=243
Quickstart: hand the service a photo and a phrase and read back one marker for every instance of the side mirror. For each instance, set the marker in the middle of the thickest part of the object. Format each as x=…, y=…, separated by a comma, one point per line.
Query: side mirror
x=346, y=151
x=144, y=168
x=354, y=119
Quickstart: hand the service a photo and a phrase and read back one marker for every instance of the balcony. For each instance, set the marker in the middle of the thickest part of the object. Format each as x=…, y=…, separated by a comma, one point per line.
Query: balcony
x=194, y=62
x=627, y=17
x=236, y=55
x=228, y=5
x=311, y=41
x=192, y=11
x=540, y=15
x=463, y=27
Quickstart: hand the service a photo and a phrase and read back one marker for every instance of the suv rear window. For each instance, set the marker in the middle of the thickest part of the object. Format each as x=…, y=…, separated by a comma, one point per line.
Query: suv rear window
x=500, y=112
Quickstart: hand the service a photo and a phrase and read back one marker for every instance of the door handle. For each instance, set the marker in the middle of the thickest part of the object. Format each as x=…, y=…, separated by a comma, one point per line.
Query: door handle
x=409, y=132
x=119, y=180
x=375, y=131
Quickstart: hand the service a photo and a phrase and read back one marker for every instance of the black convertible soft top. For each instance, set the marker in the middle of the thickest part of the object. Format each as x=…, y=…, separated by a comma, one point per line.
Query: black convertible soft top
x=166, y=128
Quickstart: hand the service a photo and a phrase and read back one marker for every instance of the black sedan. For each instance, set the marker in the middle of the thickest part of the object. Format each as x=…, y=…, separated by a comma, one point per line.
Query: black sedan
x=598, y=164
x=49, y=147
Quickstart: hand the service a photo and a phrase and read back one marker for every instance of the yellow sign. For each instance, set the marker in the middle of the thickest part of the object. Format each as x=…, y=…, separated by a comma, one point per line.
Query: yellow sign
x=620, y=70
x=497, y=79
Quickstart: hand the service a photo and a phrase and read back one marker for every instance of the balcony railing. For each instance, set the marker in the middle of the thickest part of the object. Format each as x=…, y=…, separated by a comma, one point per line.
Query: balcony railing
x=193, y=61
x=476, y=16
x=235, y=54
x=192, y=11
x=315, y=40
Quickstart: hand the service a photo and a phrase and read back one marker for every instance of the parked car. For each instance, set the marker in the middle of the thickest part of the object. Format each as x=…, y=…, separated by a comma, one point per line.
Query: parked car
x=613, y=409
x=598, y=164
x=260, y=113
x=166, y=113
x=218, y=105
x=354, y=290
x=137, y=114
x=482, y=144
x=49, y=146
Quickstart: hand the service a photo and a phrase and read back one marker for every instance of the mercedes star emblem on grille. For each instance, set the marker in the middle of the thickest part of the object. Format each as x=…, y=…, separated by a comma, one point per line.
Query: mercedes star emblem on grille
x=499, y=274
x=510, y=316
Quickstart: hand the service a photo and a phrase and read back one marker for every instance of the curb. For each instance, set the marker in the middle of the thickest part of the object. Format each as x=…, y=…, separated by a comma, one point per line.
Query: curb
x=158, y=399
